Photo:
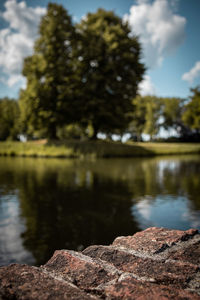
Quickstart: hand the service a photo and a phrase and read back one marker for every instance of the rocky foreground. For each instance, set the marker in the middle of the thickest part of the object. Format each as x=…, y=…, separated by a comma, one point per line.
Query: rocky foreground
x=155, y=264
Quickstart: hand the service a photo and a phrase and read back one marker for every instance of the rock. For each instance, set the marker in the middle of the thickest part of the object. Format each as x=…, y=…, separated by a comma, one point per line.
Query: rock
x=159, y=269
x=189, y=253
x=84, y=271
x=156, y=263
x=154, y=240
x=26, y=283
x=129, y=288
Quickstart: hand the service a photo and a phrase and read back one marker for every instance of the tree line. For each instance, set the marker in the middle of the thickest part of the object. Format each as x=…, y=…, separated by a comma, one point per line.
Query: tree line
x=83, y=78
x=148, y=115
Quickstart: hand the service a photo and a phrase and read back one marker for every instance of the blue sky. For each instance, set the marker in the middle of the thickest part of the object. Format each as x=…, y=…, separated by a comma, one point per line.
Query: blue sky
x=168, y=31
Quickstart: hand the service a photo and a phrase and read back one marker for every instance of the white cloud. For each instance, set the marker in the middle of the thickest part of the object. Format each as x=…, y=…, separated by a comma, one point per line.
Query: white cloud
x=144, y=208
x=16, y=41
x=193, y=217
x=192, y=74
x=16, y=79
x=146, y=87
x=22, y=18
x=160, y=30
x=11, y=228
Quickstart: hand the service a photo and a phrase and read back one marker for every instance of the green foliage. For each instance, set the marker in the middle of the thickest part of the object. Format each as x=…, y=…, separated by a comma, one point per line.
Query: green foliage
x=191, y=115
x=150, y=113
x=9, y=114
x=109, y=71
x=136, y=126
x=83, y=79
x=152, y=117
x=172, y=110
x=46, y=101
x=75, y=131
x=71, y=131
x=145, y=115
x=85, y=75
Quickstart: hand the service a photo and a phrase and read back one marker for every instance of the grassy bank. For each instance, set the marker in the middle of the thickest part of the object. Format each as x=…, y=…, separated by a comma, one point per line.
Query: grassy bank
x=171, y=148
x=93, y=149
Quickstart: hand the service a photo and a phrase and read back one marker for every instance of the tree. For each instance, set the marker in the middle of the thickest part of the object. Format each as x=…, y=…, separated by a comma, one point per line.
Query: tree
x=136, y=126
x=191, y=115
x=45, y=103
x=152, y=117
x=109, y=71
x=172, y=110
x=145, y=117
x=9, y=114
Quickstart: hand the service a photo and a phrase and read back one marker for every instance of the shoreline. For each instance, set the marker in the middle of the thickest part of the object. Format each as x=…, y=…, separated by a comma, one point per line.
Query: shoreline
x=95, y=149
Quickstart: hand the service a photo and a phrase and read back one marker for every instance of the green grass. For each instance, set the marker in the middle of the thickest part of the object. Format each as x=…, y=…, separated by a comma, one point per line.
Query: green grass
x=171, y=148
x=94, y=149
x=34, y=149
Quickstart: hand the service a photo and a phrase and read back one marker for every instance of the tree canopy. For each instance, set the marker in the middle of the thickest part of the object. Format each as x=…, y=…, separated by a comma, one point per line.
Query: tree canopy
x=45, y=103
x=145, y=117
x=109, y=68
x=83, y=78
x=191, y=115
x=85, y=74
x=9, y=114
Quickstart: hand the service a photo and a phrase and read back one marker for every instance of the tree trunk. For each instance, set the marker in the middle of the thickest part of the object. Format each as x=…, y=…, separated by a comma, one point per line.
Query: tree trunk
x=52, y=134
x=95, y=132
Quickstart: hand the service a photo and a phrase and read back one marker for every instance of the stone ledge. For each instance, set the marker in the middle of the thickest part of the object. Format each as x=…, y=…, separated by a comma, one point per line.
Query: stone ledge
x=156, y=263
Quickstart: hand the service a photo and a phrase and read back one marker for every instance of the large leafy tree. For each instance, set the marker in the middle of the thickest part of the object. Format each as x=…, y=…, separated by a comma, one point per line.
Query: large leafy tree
x=109, y=70
x=45, y=103
x=9, y=115
x=191, y=115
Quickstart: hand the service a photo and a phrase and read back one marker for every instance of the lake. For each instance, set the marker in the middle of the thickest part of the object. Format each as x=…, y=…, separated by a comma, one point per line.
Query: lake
x=49, y=204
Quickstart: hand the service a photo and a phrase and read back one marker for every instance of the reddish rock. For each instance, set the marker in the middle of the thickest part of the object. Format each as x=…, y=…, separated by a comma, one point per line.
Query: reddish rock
x=154, y=264
x=161, y=270
x=129, y=288
x=191, y=253
x=30, y=283
x=154, y=240
x=82, y=270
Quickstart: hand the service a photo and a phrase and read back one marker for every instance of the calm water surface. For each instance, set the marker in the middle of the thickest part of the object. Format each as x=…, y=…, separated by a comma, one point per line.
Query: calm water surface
x=48, y=204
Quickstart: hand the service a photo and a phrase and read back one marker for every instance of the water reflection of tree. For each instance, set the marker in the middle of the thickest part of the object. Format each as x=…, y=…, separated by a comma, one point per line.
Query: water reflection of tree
x=176, y=176
x=191, y=181
x=59, y=215
x=72, y=204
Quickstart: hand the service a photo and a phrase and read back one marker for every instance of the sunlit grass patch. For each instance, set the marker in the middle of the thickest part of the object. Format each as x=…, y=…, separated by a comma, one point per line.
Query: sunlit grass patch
x=94, y=149
x=171, y=148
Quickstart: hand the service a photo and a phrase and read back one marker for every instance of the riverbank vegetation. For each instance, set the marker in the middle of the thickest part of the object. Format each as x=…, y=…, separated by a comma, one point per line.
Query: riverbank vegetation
x=94, y=149
x=83, y=83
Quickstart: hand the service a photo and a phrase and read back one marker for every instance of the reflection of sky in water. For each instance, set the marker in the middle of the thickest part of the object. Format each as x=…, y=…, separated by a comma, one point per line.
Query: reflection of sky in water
x=165, y=211
x=166, y=165
x=11, y=227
